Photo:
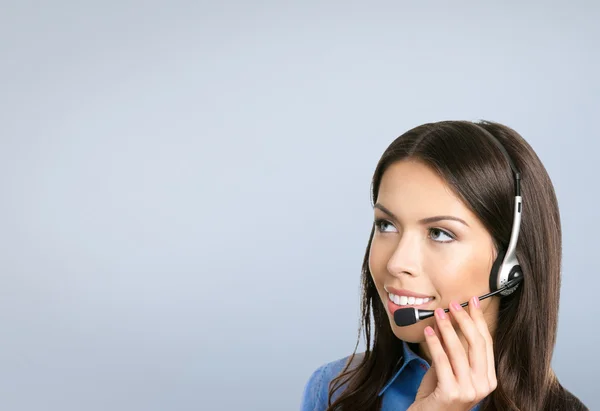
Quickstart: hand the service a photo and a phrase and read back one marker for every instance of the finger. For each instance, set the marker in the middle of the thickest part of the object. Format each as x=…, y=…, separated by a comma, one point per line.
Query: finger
x=476, y=342
x=454, y=348
x=479, y=320
x=440, y=337
x=439, y=359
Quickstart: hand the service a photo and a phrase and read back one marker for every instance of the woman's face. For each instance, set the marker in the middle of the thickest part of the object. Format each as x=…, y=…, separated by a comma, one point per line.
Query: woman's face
x=427, y=242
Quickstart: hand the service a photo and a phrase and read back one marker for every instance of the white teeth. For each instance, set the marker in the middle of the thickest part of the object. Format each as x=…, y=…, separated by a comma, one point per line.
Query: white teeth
x=404, y=300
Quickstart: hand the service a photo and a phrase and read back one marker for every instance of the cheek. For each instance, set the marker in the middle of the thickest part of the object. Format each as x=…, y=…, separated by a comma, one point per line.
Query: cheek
x=378, y=260
x=460, y=274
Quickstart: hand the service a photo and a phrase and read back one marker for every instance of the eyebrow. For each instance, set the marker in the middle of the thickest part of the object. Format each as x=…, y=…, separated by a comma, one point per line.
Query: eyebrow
x=427, y=220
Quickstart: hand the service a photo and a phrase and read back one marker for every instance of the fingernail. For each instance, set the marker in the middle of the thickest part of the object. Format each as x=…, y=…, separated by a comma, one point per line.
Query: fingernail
x=440, y=313
x=475, y=301
x=455, y=305
x=429, y=331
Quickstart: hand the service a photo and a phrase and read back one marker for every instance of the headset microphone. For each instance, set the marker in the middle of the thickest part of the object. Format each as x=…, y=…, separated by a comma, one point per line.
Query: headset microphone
x=409, y=316
x=506, y=273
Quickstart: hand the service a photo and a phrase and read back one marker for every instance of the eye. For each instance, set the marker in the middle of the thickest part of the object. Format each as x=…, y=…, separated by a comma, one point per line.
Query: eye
x=382, y=226
x=440, y=236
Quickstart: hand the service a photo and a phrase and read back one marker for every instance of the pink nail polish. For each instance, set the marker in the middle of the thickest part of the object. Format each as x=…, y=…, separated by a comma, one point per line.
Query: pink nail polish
x=455, y=305
x=429, y=331
x=441, y=314
x=475, y=301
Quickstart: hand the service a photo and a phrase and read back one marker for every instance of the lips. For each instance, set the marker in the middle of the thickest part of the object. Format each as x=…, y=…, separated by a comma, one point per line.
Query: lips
x=400, y=292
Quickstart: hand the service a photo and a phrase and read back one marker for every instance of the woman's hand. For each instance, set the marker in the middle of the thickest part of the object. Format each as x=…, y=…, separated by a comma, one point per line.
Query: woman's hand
x=458, y=379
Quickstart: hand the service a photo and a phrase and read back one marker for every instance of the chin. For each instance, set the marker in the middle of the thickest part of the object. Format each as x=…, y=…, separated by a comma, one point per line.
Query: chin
x=412, y=333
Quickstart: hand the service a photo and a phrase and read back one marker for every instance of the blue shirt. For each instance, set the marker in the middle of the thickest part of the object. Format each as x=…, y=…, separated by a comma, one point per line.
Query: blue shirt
x=398, y=394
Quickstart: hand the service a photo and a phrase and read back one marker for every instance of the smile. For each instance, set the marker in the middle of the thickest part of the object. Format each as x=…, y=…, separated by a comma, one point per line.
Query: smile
x=404, y=301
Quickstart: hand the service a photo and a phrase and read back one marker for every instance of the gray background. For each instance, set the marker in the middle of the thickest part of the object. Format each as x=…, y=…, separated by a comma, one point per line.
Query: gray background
x=185, y=185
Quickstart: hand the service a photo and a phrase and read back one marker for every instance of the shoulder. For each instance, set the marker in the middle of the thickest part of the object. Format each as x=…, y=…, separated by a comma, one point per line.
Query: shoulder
x=316, y=390
x=570, y=402
x=560, y=398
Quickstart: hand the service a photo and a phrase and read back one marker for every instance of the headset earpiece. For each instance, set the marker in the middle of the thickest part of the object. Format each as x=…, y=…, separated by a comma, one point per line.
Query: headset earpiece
x=515, y=274
x=503, y=273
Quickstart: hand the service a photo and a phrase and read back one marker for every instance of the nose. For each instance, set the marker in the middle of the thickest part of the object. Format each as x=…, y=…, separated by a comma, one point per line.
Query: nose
x=405, y=258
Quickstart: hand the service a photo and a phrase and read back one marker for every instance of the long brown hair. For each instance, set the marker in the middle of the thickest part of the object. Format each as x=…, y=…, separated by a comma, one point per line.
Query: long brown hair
x=473, y=166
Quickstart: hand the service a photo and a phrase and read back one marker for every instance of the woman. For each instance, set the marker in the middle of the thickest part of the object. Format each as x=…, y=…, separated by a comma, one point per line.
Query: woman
x=445, y=201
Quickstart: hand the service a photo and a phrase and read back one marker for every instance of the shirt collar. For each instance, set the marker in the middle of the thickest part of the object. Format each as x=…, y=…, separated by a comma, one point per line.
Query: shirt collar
x=408, y=356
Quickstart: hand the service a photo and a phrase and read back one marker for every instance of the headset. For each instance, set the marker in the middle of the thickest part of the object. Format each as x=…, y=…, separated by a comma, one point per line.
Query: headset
x=506, y=273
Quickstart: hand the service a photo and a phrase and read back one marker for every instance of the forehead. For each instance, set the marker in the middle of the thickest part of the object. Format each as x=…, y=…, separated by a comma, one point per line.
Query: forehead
x=411, y=187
